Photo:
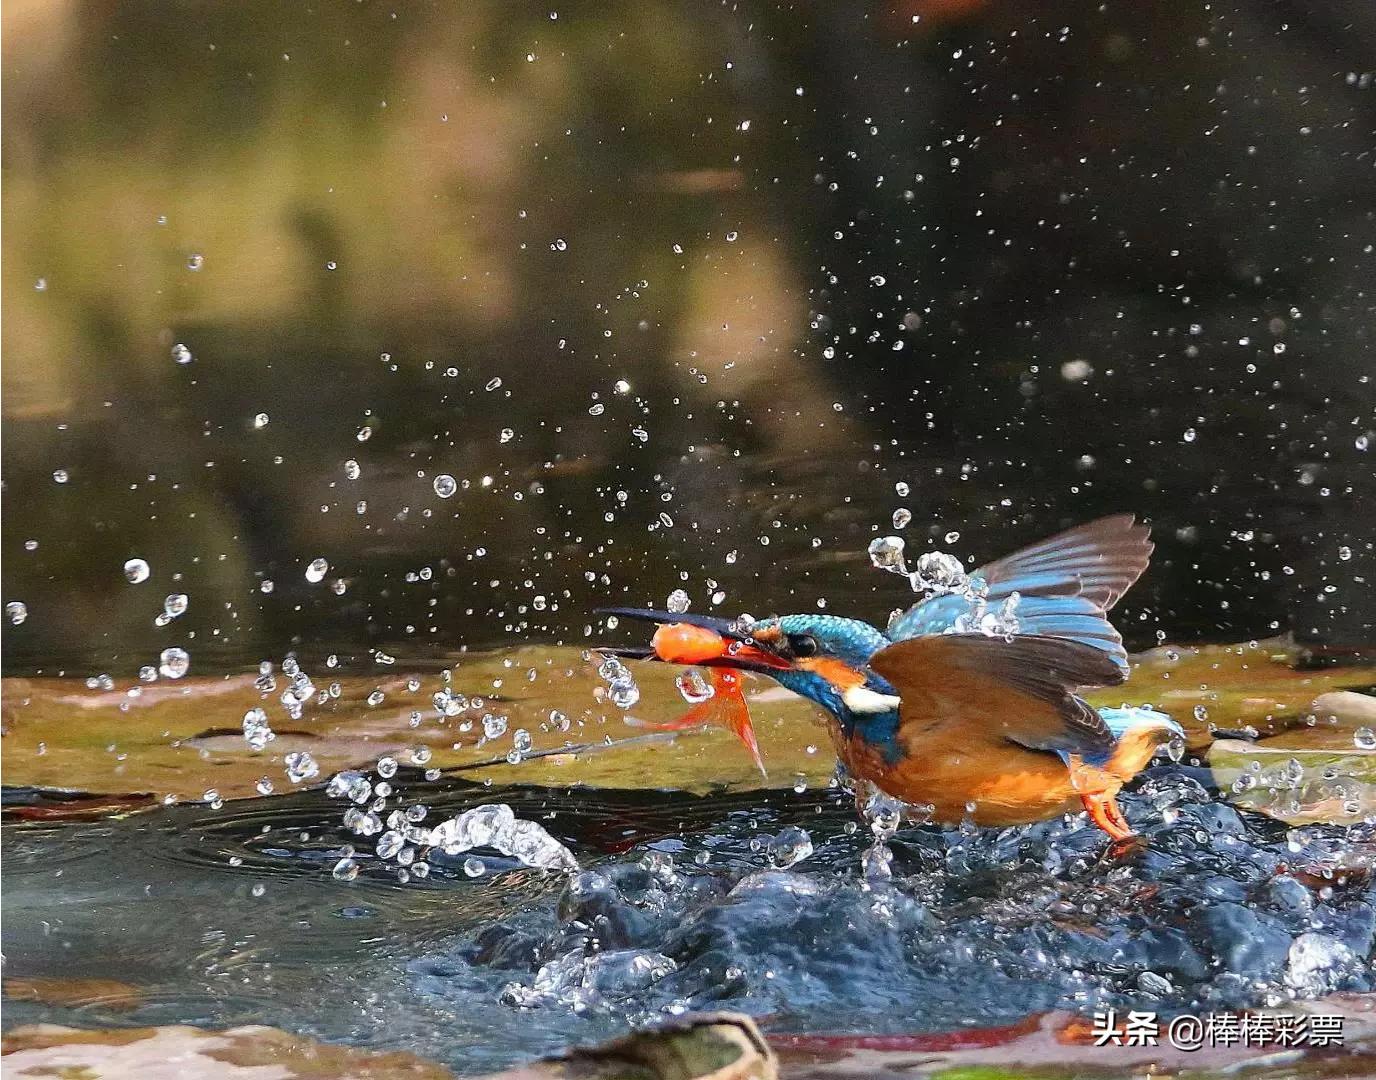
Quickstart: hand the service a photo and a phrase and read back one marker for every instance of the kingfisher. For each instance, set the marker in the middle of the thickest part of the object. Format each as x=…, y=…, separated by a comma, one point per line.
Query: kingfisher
x=977, y=719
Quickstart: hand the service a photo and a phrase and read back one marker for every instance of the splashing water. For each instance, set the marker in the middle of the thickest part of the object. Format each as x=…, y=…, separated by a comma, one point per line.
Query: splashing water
x=496, y=826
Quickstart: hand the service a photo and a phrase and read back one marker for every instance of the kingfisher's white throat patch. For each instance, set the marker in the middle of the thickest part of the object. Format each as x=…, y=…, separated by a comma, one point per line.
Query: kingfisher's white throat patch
x=861, y=699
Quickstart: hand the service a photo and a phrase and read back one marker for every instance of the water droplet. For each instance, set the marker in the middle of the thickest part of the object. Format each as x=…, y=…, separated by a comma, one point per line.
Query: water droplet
x=135, y=571
x=1190, y=435
x=445, y=485
x=175, y=604
x=261, y=420
x=940, y=570
x=1364, y=739
x=300, y=767
x=60, y=476
x=195, y=262
x=264, y=786
x=174, y=663
x=345, y=870
x=901, y=517
x=694, y=688
x=473, y=866
x=886, y=553
x=790, y=847
x=181, y=354
x=316, y=571
x=678, y=602
x=257, y=731
x=16, y=611
x=493, y=384
x=387, y=767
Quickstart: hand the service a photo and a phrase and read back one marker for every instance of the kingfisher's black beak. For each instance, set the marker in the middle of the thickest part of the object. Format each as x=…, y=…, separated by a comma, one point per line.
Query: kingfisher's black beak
x=727, y=628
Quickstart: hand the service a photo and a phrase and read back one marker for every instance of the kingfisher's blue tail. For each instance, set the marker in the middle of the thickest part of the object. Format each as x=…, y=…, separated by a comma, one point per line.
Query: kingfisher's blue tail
x=1129, y=718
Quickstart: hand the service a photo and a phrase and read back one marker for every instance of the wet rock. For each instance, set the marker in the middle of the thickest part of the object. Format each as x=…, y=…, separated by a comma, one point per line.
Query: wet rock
x=1243, y=942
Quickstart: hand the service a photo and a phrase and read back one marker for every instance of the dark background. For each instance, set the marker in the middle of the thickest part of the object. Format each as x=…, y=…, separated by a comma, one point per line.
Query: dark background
x=1038, y=262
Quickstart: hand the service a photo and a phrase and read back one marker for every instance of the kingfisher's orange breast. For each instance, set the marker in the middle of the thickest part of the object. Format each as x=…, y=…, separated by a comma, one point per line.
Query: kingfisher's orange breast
x=1006, y=784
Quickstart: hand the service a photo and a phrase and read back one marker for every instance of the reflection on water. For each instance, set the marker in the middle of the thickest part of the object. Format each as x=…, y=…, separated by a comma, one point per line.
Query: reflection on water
x=232, y=917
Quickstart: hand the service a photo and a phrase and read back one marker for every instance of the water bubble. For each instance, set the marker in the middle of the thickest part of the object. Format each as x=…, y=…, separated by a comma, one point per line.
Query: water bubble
x=389, y=844
x=352, y=471
x=16, y=611
x=135, y=571
x=901, y=489
x=376, y=698
x=175, y=604
x=60, y=476
x=493, y=384
x=260, y=421
x=316, y=571
x=264, y=786
x=951, y=537
x=195, y=262
x=1190, y=435
x=387, y=767
x=420, y=755
x=901, y=517
x=300, y=767
x=181, y=354
x=214, y=798
x=1364, y=738
x=174, y=662
x=473, y=867
x=445, y=485
x=677, y=603
x=148, y=673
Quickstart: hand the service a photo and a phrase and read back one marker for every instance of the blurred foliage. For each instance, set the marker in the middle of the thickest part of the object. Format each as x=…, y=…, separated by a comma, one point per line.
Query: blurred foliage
x=828, y=250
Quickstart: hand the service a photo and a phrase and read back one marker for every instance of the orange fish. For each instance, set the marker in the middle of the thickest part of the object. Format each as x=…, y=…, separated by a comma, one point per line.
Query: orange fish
x=699, y=643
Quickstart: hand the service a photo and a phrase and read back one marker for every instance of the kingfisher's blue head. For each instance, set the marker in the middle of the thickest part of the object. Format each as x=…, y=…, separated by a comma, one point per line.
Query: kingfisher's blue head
x=827, y=660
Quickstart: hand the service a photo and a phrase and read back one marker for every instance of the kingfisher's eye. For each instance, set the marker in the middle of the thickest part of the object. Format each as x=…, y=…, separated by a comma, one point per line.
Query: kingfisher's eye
x=803, y=644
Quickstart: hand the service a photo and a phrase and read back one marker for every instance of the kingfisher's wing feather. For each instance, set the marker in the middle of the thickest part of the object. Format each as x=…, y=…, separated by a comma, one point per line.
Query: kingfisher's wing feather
x=1104, y=557
x=992, y=688
x=1064, y=584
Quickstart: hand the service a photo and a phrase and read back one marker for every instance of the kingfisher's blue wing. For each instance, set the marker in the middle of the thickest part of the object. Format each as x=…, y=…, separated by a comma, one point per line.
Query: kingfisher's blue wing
x=1065, y=584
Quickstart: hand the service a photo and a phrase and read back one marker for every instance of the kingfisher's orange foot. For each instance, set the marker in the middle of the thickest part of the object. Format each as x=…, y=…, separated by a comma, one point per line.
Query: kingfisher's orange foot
x=1104, y=812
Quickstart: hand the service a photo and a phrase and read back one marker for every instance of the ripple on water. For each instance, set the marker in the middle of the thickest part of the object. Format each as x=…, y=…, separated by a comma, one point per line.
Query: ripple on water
x=682, y=904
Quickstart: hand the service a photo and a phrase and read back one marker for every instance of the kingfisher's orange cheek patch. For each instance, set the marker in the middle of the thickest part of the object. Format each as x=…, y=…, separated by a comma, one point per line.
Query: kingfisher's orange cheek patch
x=679, y=643
x=836, y=672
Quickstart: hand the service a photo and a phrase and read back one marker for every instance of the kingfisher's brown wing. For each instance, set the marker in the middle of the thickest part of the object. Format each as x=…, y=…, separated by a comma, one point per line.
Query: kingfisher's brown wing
x=986, y=688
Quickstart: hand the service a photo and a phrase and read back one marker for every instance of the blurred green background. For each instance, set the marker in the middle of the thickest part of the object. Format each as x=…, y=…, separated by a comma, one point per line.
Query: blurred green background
x=741, y=271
